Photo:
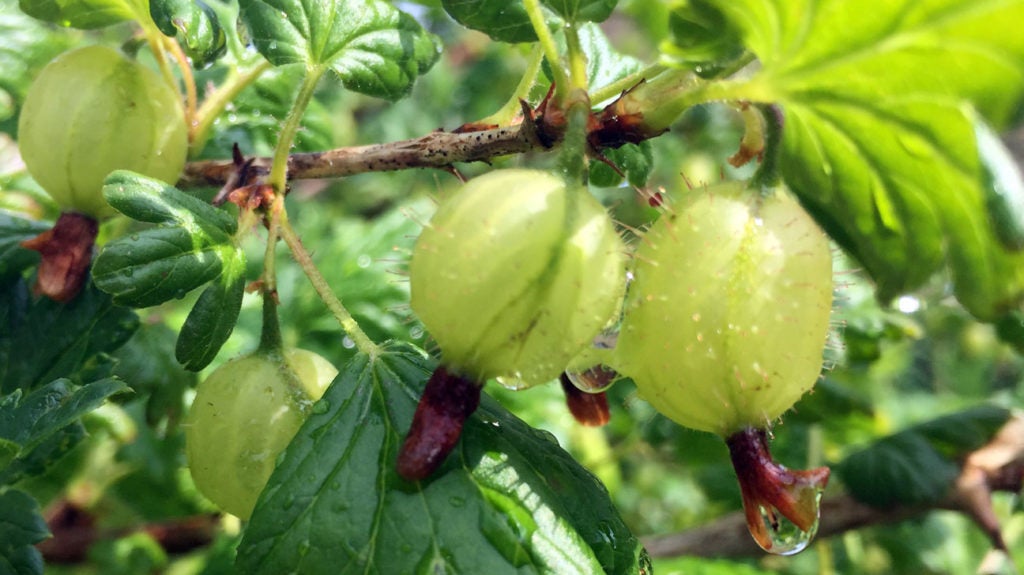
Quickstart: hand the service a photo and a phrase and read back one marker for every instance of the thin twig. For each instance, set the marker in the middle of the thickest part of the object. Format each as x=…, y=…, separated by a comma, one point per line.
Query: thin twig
x=434, y=150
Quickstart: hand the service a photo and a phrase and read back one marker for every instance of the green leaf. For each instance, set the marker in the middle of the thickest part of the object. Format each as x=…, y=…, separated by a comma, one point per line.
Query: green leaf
x=85, y=14
x=877, y=144
x=192, y=245
x=582, y=10
x=502, y=20
x=30, y=421
x=918, y=466
x=1003, y=186
x=147, y=361
x=195, y=25
x=508, y=499
x=634, y=160
x=605, y=64
x=13, y=231
x=212, y=319
x=42, y=340
x=28, y=46
x=700, y=33
x=21, y=527
x=375, y=48
x=257, y=113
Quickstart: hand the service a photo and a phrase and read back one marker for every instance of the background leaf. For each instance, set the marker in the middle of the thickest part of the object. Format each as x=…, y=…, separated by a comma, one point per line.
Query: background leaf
x=582, y=10
x=28, y=421
x=85, y=14
x=43, y=340
x=502, y=20
x=13, y=231
x=21, y=527
x=876, y=143
x=508, y=499
x=375, y=48
x=918, y=466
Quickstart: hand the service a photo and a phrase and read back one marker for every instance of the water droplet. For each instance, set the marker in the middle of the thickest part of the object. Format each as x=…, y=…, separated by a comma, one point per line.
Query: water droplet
x=416, y=332
x=596, y=379
x=289, y=502
x=364, y=261
x=135, y=237
x=304, y=547
x=512, y=382
x=456, y=501
x=321, y=407
x=347, y=342
x=786, y=537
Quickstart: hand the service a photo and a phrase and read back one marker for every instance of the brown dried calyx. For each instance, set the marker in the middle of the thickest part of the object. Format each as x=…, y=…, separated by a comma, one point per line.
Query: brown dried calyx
x=66, y=251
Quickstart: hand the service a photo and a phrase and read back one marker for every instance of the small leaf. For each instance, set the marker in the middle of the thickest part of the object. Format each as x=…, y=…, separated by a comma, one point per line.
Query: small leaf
x=13, y=231
x=30, y=421
x=195, y=25
x=85, y=14
x=605, y=64
x=582, y=10
x=918, y=466
x=148, y=200
x=375, y=48
x=211, y=320
x=502, y=20
x=21, y=527
x=43, y=340
x=633, y=160
x=191, y=246
x=877, y=144
x=508, y=499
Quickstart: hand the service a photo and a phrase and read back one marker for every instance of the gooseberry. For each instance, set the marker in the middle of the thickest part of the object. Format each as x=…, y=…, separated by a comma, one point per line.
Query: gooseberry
x=725, y=325
x=91, y=111
x=244, y=414
x=514, y=276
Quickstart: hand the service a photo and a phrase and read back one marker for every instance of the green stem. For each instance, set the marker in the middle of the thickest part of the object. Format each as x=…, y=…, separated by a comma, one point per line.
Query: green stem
x=348, y=323
x=547, y=41
x=621, y=85
x=504, y=115
x=664, y=98
x=286, y=137
x=577, y=59
x=767, y=174
x=217, y=101
x=270, y=335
